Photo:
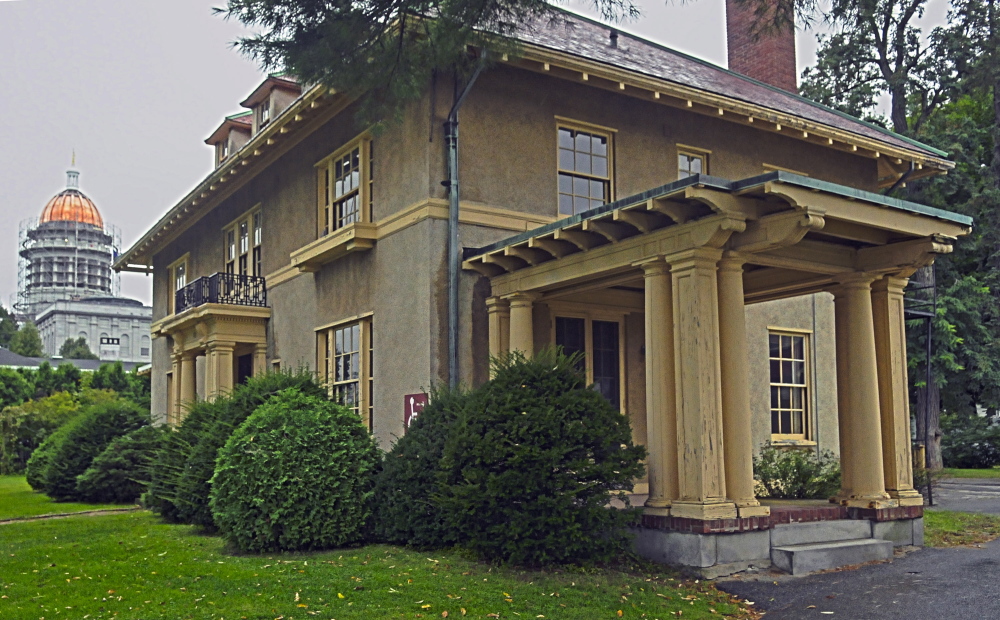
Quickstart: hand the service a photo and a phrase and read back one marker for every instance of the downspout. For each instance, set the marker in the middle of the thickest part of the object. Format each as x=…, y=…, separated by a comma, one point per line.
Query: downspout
x=902, y=179
x=454, y=266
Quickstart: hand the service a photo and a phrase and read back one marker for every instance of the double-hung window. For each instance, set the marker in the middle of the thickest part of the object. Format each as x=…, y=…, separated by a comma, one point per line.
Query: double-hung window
x=346, y=363
x=344, y=187
x=243, y=240
x=178, y=272
x=585, y=169
x=789, y=376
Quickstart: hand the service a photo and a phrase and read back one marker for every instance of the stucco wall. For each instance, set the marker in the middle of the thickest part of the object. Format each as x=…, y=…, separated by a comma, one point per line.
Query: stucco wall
x=812, y=315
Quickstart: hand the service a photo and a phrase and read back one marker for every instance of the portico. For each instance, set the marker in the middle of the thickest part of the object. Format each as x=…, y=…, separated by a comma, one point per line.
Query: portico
x=698, y=250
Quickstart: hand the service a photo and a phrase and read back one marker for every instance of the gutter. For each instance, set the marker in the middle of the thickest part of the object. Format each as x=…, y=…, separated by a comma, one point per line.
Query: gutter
x=902, y=179
x=454, y=194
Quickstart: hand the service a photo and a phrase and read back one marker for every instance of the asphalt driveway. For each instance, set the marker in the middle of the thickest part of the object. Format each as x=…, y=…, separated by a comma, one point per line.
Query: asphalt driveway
x=930, y=584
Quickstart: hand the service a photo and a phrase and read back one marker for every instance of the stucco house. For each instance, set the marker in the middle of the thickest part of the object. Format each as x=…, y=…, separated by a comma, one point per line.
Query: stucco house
x=718, y=247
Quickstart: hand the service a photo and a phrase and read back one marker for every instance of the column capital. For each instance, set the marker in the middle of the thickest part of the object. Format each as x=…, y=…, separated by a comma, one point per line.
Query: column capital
x=497, y=304
x=853, y=280
x=701, y=257
x=521, y=299
x=731, y=261
x=892, y=284
x=653, y=266
x=221, y=345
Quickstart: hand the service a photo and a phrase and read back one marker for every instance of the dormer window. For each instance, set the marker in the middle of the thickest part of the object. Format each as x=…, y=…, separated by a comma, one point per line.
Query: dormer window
x=222, y=150
x=265, y=114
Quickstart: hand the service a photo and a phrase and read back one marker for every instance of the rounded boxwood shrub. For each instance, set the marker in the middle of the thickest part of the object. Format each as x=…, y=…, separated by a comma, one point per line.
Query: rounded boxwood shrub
x=119, y=475
x=226, y=414
x=794, y=473
x=87, y=435
x=296, y=475
x=405, y=489
x=532, y=464
x=40, y=458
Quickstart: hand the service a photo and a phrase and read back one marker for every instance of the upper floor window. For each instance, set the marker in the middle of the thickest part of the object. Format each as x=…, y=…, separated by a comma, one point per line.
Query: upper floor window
x=223, y=150
x=243, y=240
x=344, y=187
x=690, y=163
x=789, y=385
x=178, y=274
x=264, y=114
x=585, y=169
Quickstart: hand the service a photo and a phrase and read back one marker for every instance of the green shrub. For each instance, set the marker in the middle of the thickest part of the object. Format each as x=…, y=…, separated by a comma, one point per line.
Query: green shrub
x=530, y=468
x=296, y=475
x=406, y=514
x=170, y=459
x=791, y=473
x=225, y=415
x=87, y=435
x=38, y=464
x=14, y=388
x=24, y=427
x=120, y=473
x=969, y=442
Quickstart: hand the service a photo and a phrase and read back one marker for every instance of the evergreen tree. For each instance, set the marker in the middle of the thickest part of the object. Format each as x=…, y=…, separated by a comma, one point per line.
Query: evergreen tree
x=8, y=327
x=27, y=342
x=76, y=349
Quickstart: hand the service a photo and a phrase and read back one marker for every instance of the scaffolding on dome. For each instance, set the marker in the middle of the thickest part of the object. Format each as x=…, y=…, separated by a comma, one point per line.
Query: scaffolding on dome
x=52, y=268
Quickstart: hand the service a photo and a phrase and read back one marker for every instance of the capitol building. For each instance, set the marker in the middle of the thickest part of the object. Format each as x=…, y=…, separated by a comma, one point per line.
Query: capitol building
x=66, y=285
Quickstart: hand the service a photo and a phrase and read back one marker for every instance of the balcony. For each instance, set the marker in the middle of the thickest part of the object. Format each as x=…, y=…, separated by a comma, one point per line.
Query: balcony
x=222, y=288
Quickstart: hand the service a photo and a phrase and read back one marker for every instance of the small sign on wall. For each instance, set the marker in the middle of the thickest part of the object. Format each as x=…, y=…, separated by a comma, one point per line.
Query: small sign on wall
x=413, y=404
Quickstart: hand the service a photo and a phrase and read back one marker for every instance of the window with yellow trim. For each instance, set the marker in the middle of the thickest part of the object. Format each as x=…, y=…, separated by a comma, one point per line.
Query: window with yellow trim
x=585, y=169
x=344, y=187
x=690, y=163
x=789, y=374
x=243, y=241
x=178, y=273
x=346, y=364
x=601, y=341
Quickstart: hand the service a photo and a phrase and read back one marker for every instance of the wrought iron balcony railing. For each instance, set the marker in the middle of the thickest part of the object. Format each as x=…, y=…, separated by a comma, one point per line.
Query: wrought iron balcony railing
x=222, y=288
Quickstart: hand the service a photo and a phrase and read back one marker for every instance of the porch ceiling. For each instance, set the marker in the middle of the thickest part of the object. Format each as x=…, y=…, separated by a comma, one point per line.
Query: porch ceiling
x=794, y=234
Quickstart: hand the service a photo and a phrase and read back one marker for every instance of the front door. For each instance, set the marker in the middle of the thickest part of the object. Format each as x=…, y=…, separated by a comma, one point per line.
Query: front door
x=600, y=342
x=244, y=368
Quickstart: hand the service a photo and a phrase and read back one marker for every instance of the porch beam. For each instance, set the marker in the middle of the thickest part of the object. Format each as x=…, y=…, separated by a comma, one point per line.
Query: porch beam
x=614, y=258
x=776, y=231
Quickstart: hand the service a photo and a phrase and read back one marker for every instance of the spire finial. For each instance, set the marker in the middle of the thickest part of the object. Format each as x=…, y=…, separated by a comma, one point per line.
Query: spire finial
x=72, y=175
x=73, y=161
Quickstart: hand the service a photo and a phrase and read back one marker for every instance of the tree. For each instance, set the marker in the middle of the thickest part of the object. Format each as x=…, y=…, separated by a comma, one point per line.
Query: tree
x=110, y=377
x=27, y=342
x=8, y=327
x=384, y=51
x=14, y=388
x=76, y=349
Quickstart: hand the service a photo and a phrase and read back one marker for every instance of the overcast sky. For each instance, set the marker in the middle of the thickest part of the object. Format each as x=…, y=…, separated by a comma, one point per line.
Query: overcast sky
x=135, y=86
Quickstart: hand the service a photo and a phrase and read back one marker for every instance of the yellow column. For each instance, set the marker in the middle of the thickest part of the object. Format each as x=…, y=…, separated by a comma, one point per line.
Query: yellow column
x=173, y=400
x=700, y=464
x=219, y=374
x=522, y=333
x=661, y=407
x=861, y=430
x=259, y=359
x=499, y=322
x=186, y=391
x=842, y=326
x=890, y=353
x=736, y=432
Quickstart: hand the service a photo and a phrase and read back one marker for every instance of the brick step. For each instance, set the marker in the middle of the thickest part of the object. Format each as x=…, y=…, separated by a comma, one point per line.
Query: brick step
x=819, y=531
x=808, y=558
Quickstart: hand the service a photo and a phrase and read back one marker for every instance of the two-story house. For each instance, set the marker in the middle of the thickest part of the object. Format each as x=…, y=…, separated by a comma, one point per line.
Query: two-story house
x=717, y=247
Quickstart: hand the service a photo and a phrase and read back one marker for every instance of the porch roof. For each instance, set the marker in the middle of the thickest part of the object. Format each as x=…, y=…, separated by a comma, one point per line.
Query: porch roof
x=796, y=234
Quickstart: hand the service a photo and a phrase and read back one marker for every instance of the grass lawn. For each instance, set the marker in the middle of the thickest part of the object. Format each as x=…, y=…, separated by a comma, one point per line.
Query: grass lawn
x=951, y=472
x=131, y=565
x=947, y=528
x=19, y=501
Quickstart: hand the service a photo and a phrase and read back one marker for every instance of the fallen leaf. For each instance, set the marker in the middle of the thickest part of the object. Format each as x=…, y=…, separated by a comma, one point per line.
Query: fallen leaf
x=462, y=610
x=444, y=614
x=339, y=595
x=620, y=613
x=811, y=607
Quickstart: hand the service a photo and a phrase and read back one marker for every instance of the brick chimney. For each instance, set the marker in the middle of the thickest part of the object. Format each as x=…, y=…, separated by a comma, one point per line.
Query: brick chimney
x=770, y=59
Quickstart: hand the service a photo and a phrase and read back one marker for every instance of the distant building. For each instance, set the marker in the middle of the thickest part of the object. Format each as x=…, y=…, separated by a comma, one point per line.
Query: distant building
x=9, y=359
x=65, y=283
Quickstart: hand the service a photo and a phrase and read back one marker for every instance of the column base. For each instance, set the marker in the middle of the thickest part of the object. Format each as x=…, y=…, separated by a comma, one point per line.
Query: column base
x=877, y=502
x=755, y=510
x=704, y=511
x=656, y=510
x=907, y=497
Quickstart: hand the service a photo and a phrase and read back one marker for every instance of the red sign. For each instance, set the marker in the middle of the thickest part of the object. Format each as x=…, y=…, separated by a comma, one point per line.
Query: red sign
x=413, y=404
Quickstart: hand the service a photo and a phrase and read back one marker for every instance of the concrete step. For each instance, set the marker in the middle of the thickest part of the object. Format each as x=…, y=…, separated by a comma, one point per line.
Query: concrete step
x=819, y=531
x=808, y=558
